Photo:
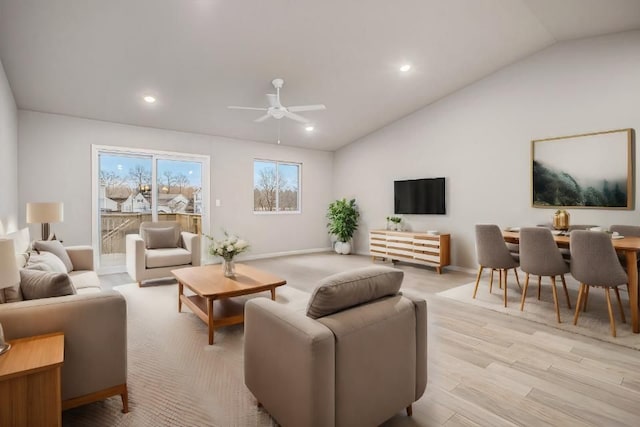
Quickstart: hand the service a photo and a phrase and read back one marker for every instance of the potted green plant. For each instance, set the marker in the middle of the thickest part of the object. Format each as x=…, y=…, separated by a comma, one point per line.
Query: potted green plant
x=395, y=223
x=343, y=222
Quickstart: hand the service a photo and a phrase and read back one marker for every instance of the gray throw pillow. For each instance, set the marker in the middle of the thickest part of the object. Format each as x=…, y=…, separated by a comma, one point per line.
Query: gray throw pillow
x=36, y=284
x=344, y=290
x=12, y=294
x=56, y=248
x=157, y=238
x=53, y=263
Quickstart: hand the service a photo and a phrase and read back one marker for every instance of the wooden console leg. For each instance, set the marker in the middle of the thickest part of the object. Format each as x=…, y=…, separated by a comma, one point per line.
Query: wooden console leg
x=409, y=411
x=139, y=284
x=125, y=400
x=439, y=270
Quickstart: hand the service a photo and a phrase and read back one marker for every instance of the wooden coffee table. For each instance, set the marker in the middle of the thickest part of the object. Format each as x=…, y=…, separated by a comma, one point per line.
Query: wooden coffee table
x=213, y=301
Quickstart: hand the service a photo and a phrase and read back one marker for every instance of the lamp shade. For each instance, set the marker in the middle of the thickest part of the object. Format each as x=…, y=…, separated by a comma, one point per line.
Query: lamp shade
x=38, y=213
x=9, y=273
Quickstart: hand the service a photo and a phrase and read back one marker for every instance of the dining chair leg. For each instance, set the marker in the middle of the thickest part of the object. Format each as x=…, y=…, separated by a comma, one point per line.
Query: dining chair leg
x=612, y=321
x=580, y=296
x=505, y=286
x=555, y=297
x=566, y=292
x=524, y=292
x=586, y=299
x=515, y=270
x=491, y=281
x=475, y=291
x=500, y=272
x=539, y=286
x=624, y=320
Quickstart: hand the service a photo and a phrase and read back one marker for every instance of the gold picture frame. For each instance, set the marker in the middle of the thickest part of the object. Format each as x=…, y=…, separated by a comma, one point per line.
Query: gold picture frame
x=586, y=171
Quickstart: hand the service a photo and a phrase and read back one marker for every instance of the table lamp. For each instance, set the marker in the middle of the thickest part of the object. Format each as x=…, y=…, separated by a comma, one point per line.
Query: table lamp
x=9, y=277
x=44, y=213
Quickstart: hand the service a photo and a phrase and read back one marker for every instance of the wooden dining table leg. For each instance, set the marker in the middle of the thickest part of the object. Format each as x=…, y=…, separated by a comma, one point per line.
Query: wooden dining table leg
x=632, y=272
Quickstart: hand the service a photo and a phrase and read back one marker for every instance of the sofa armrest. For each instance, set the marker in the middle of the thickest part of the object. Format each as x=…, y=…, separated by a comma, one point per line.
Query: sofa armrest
x=421, y=341
x=134, y=248
x=81, y=257
x=95, y=336
x=289, y=364
x=191, y=242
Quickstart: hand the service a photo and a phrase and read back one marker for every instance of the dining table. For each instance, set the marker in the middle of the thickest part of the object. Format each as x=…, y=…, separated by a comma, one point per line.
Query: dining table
x=629, y=246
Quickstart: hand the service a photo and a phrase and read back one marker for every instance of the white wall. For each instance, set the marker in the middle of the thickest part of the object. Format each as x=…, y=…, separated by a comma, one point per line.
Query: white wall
x=8, y=157
x=479, y=138
x=55, y=165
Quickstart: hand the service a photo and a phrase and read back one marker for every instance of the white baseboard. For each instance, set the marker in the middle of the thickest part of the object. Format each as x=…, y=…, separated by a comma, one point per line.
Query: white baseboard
x=281, y=254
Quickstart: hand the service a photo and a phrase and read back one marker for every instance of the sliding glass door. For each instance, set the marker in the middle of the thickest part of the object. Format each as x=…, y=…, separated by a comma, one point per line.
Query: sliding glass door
x=132, y=186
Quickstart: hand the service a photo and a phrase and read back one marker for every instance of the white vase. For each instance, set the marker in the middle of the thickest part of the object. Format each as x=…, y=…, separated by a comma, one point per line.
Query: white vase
x=343, y=248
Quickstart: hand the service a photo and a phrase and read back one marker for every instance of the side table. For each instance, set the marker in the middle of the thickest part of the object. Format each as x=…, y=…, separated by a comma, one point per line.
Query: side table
x=30, y=393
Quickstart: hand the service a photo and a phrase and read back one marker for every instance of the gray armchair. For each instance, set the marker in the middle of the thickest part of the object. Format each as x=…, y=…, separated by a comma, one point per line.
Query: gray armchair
x=159, y=248
x=358, y=357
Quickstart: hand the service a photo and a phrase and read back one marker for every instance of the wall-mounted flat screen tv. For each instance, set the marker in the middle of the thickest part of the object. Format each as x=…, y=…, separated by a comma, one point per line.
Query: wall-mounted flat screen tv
x=419, y=196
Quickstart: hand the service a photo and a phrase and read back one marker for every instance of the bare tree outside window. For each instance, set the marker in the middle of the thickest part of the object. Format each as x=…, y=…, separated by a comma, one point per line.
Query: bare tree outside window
x=139, y=176
x=276, y=186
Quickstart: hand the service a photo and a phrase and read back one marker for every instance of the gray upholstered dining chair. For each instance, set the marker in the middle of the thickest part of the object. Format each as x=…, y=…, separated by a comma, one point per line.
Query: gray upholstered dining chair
x=540, y=256
x=629, y=231
x=493, y=253
x=594, y=263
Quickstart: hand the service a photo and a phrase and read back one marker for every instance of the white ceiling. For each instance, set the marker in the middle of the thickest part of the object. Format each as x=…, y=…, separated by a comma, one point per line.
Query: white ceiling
x=97, y=58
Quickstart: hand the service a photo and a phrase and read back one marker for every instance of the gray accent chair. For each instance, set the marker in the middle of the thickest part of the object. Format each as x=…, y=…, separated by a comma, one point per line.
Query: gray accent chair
x=594, y=262
x=493, y=253
x=357, y=358
x=629, y=231
x=540, y=256
x=151, y=257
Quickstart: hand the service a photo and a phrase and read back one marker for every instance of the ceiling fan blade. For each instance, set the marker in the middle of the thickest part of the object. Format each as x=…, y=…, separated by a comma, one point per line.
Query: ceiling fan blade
x=273, y=100
x=262, y=119
x=295, y=117
x=314, y=107
x=233, y=107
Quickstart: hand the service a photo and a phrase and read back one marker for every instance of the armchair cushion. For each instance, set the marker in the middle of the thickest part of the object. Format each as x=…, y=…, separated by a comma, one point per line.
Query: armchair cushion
x=344, y=290
x=167, y=257
x=36, y=284
x=56, y=248
x=158, y=238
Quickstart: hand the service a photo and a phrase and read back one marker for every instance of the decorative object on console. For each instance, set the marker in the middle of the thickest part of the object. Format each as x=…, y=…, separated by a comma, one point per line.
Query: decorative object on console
x=394, y=223
x=592, y=170
x=343, y=222
x=561, y=220
x=9, y=277
x=45, y=213
x=227, y=249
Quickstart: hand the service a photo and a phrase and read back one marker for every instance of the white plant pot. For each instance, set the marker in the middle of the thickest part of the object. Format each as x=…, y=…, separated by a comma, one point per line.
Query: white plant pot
x=343, y=248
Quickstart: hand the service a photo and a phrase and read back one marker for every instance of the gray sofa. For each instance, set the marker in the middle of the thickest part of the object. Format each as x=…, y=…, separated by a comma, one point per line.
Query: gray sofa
x=94, y=324
x=356, y=358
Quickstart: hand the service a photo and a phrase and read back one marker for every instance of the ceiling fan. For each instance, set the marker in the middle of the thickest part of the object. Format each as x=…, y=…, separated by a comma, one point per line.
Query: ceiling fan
x=277, y=111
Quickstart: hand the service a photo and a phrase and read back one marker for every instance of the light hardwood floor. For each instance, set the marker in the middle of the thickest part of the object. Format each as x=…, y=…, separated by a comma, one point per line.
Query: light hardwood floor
x=492, y=369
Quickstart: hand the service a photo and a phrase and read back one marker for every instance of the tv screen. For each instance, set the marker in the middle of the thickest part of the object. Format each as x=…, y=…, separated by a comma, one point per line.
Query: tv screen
x=419, y=196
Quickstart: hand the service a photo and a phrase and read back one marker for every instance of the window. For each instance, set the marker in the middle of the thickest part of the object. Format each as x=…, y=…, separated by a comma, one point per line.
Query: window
x=276, y=186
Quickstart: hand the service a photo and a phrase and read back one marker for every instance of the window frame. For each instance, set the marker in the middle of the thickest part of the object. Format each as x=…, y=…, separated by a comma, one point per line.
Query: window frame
x=277, y=163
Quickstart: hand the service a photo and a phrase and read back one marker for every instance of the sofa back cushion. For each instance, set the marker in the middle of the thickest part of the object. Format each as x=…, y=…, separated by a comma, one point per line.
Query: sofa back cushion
x=351, y=288
x=36, y=284
x=56, y=248
x=46, y=261
x=157, y=235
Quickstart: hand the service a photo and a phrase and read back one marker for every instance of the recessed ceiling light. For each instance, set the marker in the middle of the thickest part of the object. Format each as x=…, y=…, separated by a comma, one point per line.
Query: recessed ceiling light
x=150, y=99
x=309, y=128
x=405, y=68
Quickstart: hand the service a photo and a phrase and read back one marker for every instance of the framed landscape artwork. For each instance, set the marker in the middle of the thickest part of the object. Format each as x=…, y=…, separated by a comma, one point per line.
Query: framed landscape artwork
x=593, y=170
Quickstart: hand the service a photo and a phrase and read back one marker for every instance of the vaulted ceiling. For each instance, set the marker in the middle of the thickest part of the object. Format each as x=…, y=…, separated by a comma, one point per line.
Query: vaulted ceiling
x=98, y=59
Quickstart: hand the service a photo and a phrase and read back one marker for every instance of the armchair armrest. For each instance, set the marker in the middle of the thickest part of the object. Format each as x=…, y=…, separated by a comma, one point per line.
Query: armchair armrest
x=135, y=256
x=191, y=242
x=95, y=336
x=421, y=341
x=81, y=257
x=289, y=364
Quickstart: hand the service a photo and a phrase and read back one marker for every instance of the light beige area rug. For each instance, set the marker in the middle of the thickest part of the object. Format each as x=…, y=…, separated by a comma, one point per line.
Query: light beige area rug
x=174, y=377
x=593, y=323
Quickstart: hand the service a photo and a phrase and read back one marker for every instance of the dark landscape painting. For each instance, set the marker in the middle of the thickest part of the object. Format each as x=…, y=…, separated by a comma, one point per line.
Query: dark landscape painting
x=592, y=170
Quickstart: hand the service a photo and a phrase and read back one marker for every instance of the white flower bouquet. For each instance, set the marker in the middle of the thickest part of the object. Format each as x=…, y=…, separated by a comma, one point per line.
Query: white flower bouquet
x=228, y=247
